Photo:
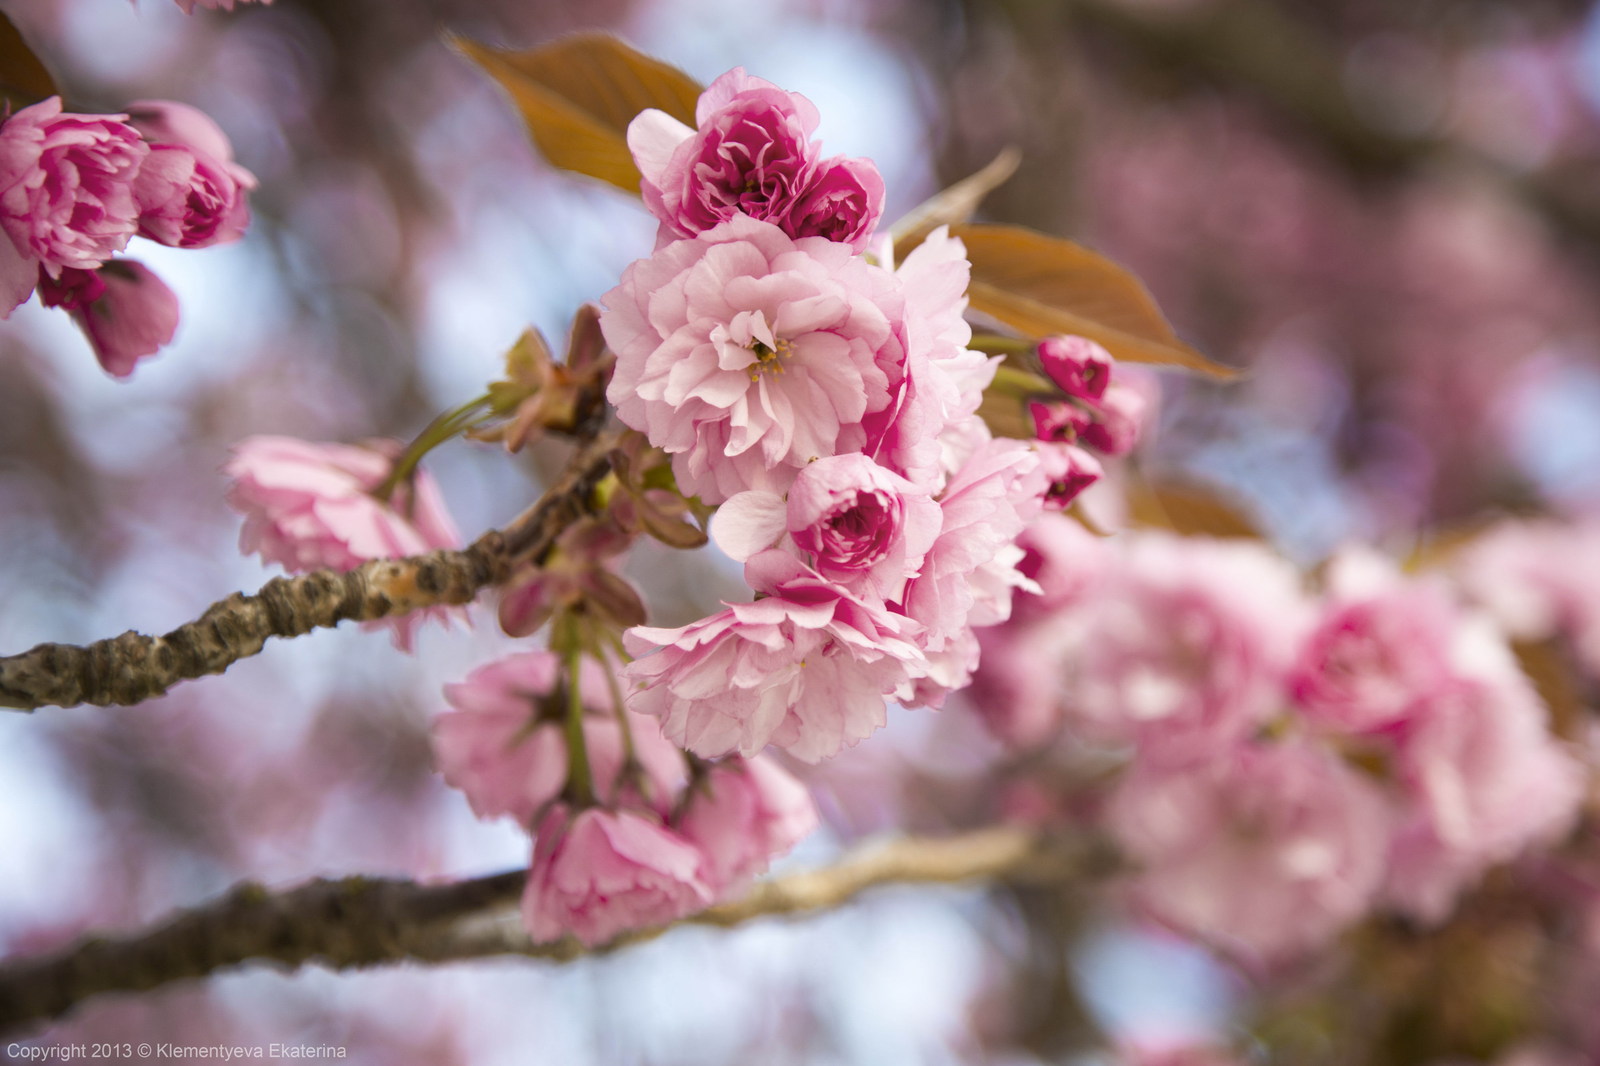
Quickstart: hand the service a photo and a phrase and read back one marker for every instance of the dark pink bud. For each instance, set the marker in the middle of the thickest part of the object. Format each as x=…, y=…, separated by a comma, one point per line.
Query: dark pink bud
x=126, y=311
x=1078, y=365
x=1058, y=420
x=1070, y=470
x=1118, y=419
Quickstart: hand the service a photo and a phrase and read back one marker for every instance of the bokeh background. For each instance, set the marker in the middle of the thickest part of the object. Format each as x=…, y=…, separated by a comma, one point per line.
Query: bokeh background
x=1389, y=214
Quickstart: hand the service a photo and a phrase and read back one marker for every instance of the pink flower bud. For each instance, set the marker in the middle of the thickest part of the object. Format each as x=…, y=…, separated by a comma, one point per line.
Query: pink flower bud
x=1059, y=420
x=191, y=193
x=124, y=310
x=1079, y=366
x=600, y=873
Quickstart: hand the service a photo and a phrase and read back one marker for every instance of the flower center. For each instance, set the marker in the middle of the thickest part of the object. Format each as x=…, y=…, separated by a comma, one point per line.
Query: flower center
x=768, y=358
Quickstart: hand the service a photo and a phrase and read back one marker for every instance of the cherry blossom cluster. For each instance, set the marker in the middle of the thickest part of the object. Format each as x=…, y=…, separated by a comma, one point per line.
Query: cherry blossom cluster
x=827, y=404
x=812, y=404
x=75, y=188
x=1294, y=762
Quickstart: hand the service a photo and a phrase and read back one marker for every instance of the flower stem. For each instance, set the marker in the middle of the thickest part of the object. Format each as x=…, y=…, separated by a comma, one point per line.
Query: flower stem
x=580, y=783
x=450, y=424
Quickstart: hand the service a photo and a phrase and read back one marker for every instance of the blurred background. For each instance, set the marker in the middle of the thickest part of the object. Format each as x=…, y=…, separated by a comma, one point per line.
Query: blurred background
x=1388, y=214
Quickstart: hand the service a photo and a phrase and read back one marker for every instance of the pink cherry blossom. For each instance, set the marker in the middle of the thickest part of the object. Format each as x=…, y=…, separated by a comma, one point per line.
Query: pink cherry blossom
x=1483, y=778
x=1186, y=651
x=1068, y=469
x=746, y=354
x=191, y=193
x=66, y=193
x=308, y=506
x=806, y=669
x=863, y=526
x=1265, y=852
x=218, y=5
x=599, y=873
x=125, y=311
x=1119, y=419
x=751, y=155
x=749, y=812
x=1382, y=643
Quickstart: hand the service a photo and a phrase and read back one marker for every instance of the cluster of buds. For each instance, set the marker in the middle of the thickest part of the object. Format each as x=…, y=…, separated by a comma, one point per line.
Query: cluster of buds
x=1094, y=413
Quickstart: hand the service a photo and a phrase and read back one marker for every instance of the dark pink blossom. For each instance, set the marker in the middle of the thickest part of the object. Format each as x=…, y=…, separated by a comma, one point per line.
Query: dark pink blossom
x=746, y=354
x=1069, y=470
x=191, y=193
x=125, y=311
x=751, y=155
x=598, y=873
x=66, y=193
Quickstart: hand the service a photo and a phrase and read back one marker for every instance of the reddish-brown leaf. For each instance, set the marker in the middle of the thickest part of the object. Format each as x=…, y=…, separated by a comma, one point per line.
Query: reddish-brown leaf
x=1042, y=285
x=23, y=79
x=578, y=94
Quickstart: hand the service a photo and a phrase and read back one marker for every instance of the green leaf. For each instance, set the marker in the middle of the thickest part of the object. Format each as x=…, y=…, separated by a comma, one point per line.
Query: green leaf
x=23, y=79
x=1041, y=285
x=577, y=95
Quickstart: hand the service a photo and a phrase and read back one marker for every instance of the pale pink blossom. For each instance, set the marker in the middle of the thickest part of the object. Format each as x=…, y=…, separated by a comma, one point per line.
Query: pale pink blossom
x=1185, y=652
x=191, y=193
x=1482, y=778
x=1018, y=690
x=599, y=873
x=806, y=669
x=751, y=154
x=1383, y=641
x=970, y=572
x=1264, y=851
x=861, y=525
x=746, y=354
x=125, y=311
x=66, y=193
x=932, y=427
x=1063, y=560
x=308, y=506
x=747, y=813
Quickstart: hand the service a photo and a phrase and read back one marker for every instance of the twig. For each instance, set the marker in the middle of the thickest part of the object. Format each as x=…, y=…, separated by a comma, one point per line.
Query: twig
x=360, y=922
x=134, y=667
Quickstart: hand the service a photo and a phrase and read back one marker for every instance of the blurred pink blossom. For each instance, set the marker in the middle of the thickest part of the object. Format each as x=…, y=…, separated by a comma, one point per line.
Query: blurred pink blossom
x=218, y=5
x=307, y=506
x=746, y=354
x=599, y=873
x=1186, y=650
x=66, y=193
x=1078, y=366
x=125, y=311
x=1265, y=851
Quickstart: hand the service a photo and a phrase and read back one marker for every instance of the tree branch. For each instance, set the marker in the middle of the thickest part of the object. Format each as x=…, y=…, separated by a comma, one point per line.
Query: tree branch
x=134, y=667
x=357, y=922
